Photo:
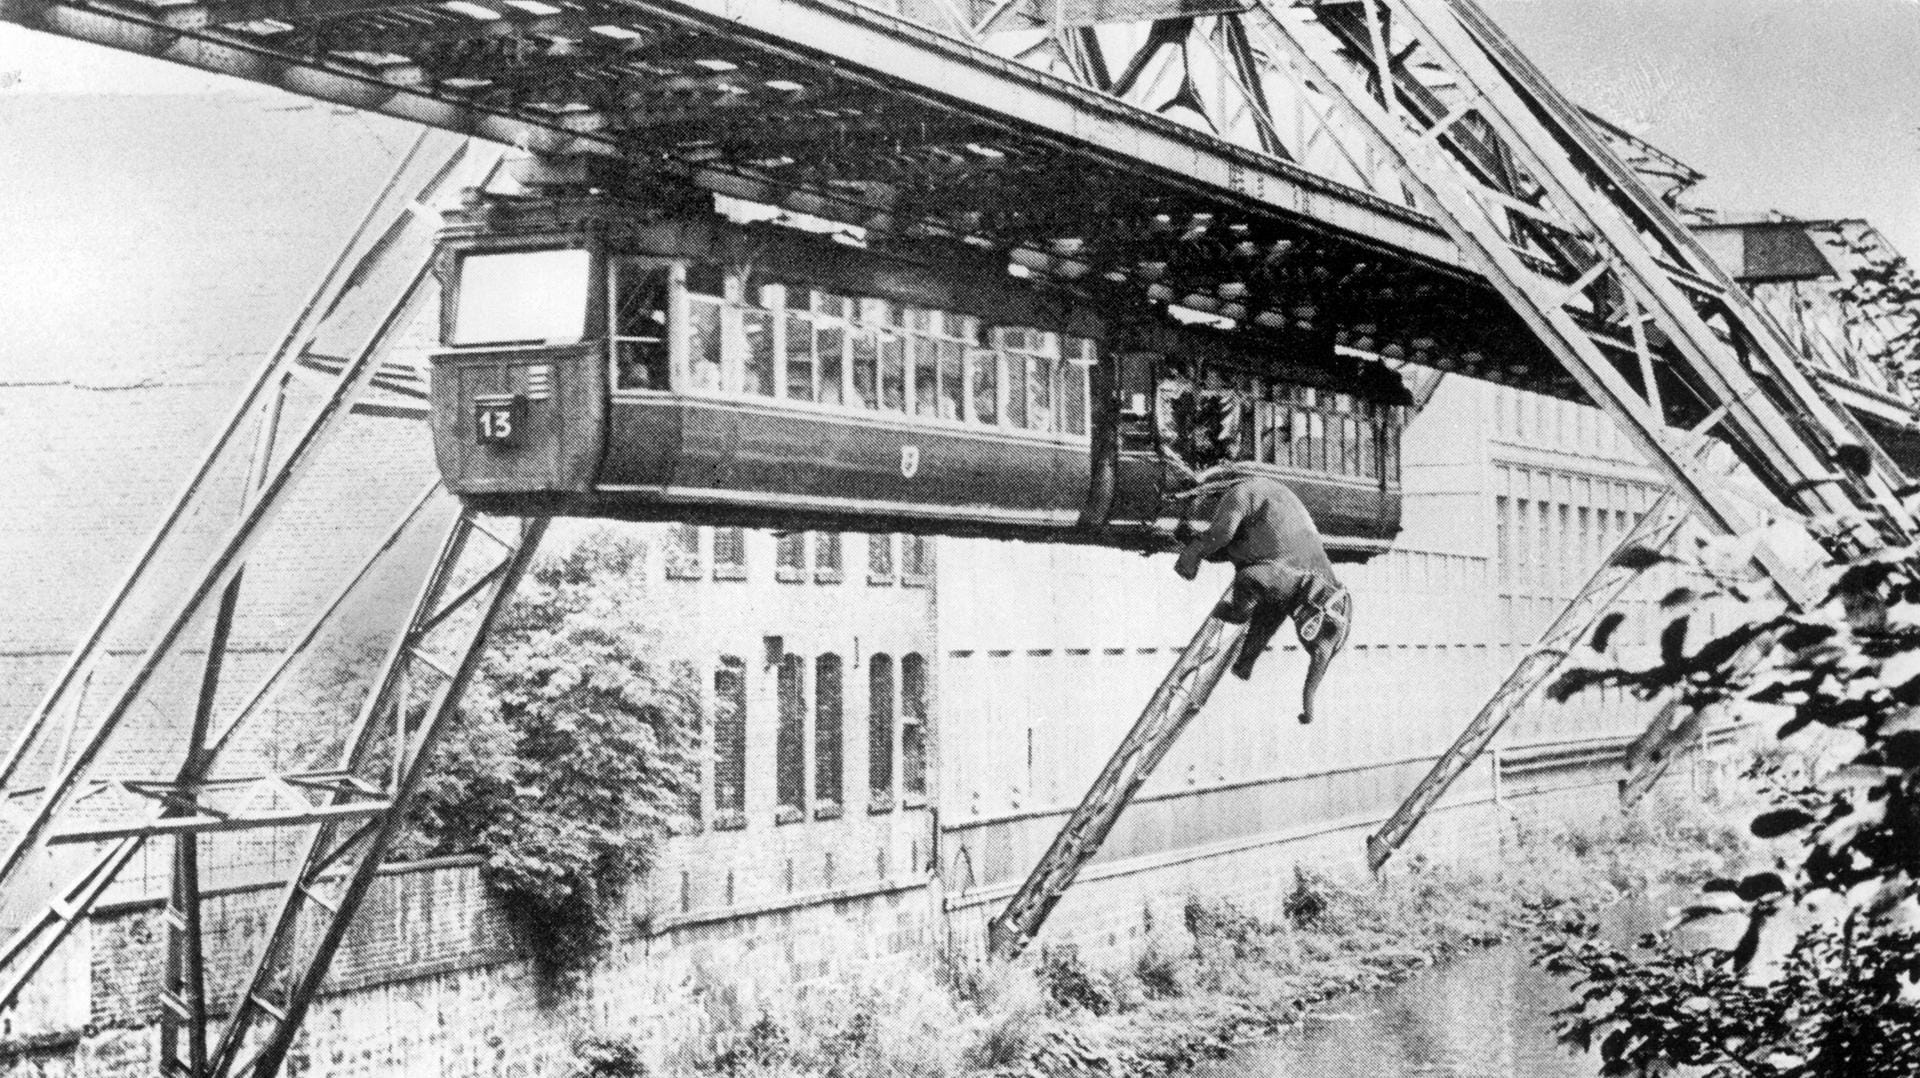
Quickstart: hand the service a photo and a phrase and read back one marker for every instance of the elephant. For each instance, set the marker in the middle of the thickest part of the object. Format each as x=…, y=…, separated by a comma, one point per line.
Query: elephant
x=1281, y=571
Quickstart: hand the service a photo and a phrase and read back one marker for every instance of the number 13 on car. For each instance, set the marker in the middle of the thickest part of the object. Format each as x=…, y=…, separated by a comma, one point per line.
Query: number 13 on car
x=497, y=419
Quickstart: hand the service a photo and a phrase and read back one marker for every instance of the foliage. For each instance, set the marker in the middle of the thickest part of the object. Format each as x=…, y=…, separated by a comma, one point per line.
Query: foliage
x=1842, y=887
x=1883, y=300
x=1825, y=1011
x=879, y=1022
x=1070, y=984
x=764, y=1046
x=1201, y=984
x=1160, y=973
x=572, y=758
x=607, y=1057
x=1309, y=901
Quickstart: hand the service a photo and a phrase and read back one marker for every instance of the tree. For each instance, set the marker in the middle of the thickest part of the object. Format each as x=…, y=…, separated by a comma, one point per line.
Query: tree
x=1842, y=896
x=573, y=755
x=1881, y=298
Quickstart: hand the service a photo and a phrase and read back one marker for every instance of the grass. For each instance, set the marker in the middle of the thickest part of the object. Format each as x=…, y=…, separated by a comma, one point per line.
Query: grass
x=1221, y=976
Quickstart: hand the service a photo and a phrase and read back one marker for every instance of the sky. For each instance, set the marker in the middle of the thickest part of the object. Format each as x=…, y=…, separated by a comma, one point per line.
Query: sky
x=1809, y=107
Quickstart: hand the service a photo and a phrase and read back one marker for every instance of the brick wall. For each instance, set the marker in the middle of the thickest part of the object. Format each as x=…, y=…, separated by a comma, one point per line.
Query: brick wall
x=432, y=981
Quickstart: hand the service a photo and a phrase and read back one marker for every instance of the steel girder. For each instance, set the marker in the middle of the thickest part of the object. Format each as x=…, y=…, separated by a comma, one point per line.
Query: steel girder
x=1182, y=694
x=186, y=581
x=833, y=109
x=1576, y=623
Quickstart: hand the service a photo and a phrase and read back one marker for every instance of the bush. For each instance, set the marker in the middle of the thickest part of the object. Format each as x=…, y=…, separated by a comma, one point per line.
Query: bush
x=1844, y=886
x=763, y=1047
x=1825, y=1012
x=1161, y=973
x=573, y=755
x=1070, y=985
x=607, y=1057
x=1309, y=901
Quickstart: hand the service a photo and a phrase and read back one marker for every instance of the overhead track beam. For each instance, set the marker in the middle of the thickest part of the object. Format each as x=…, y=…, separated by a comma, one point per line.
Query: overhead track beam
x=843, y=40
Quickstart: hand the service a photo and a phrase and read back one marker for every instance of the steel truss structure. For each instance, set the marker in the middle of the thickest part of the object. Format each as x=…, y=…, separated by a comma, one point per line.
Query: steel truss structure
x=1391, y=171
x=1600, y=269
x=1180, y=697
x=1572, y=626
x=87, y=742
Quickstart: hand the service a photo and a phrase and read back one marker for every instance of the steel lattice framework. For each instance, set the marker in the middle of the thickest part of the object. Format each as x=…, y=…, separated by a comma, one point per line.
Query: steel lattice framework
x=1393, y=171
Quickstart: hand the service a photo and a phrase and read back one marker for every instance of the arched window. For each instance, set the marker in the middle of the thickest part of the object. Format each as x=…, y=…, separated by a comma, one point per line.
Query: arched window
x=913, y=725
x=729, y=740
x=828, y=770
x=790, y=738
x=880, y=731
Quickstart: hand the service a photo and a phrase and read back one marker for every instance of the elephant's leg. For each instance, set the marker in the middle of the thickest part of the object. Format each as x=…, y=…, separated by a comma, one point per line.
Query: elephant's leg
x=1266, y=621
x=1273, y=592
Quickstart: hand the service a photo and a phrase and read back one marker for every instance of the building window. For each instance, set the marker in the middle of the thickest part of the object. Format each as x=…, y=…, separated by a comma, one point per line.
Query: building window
x=879, y=559
x=686, y=698
x=880, y=733
x=790, y=557
x=729, y=554
x=683, y=552
x=790, y=742
x=913, y=727
x=1567, y=559
x=1503, y=540
x=730, y=743
x=828, y=769
x=1522, y=544
x=826, y=557
x=916, y=560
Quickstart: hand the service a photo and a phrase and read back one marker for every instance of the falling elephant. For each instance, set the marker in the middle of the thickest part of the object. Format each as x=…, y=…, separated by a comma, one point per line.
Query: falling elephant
x=1281, y=571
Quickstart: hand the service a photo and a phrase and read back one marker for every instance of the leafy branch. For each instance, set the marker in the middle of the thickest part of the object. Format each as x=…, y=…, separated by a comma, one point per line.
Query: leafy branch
x=1882, y=304
x=1838, y=1001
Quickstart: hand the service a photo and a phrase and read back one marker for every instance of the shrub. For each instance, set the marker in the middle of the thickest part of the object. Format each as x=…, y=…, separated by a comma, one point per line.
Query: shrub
x=607, y=1057
x=765, y=1046
x=1161, y=973
x=1308, y=902
x=1070, y=984
x=573, y=755
x=1845, y=881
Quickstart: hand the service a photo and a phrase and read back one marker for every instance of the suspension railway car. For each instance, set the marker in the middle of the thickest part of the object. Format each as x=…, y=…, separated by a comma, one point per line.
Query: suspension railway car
x=601, y=360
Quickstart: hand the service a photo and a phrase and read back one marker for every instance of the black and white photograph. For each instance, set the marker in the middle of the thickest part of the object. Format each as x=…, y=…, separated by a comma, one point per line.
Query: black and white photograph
x=959, y=539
